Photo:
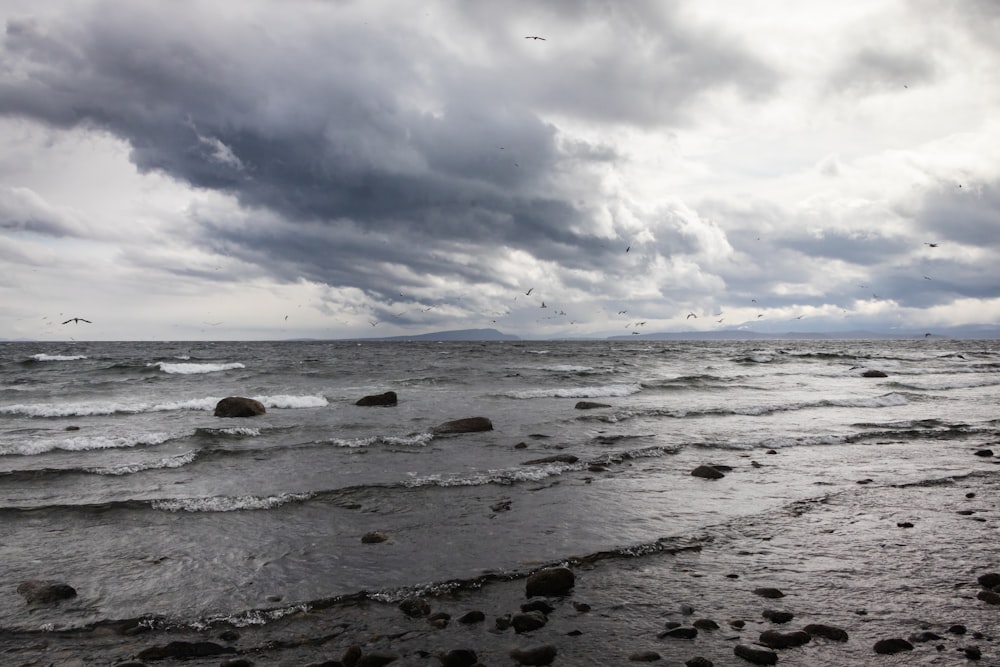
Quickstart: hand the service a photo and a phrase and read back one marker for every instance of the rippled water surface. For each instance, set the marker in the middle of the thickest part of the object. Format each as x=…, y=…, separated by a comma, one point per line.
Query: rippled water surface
x=116, y=477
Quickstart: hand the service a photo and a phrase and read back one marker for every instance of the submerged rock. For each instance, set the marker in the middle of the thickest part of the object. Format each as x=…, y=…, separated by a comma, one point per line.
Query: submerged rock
x=644, y=656
x=552, y=581
x=45, y=592
x=558, y=458
x=239, y=406
x=590, y=405
x=830, y=632
x=775, y=639
x=891, y=646
x=779, y=617
x=770, y=593
x=466, y=425
x=874, y=374
x=756, y=655
x=528, y=621
x=386, y=399
x=460, y=657
x=538, y=655
x=185, y=650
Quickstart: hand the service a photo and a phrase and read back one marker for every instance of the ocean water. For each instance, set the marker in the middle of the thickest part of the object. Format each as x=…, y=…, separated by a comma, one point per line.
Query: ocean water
x=116, y=478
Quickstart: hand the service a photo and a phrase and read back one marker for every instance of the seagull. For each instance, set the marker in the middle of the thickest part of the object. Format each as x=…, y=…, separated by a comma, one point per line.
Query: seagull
x=528, y=293
x=373, y=322
x=535, y=37
x=627, y=249
x=543, y=305
x=932, y=245
x=77, y=319
x=690, y=315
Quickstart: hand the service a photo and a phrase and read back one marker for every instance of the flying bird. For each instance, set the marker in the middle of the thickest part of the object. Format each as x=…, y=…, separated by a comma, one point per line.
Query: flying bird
x=528, y=293
x=690, y=315
x=543, y=305
x=627, y=249
x=932, y=245
x=77, y=319
x=535, y=37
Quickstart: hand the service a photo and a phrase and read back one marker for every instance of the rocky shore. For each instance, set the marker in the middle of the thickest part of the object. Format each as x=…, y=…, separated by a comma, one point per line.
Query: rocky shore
x=879, y=574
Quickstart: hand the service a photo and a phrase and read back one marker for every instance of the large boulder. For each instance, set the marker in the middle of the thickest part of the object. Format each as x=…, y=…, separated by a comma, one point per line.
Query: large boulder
x=707, y=472
x=44, y=592
x=386, y=399
x=467, y=425
x=238, y=406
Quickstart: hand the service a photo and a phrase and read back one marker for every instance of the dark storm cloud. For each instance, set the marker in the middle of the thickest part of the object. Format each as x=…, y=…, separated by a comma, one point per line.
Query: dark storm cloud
x=370, y=130
x=967, y=213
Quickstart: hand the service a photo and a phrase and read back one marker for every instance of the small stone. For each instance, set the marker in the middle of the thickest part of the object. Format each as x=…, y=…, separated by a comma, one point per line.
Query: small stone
x=236, y=662
x=737, y=624
x=553, y=581
x=776, y=616
x=644, y=656
x=538, y=655
x=590, y=405
x=775, y=639
x=904, y=524
x=415, y=607
x=770, y=593
x=528, y=622
x=826, y=632
x=45, y=592
x=755, y=655
x=374, y=537
x=679, y=633
x=923, y=637
x=989, y=597
x=472, y=617
x=706, y=624
x=973, y=653
x=892, y=646
x=989, y=580
x=957, y=629
x=351, y=656
x=461, y=657
x=699, y=661
x=984, y=452
x=970, y=495
x=581, y=607
x=874, y=374
x=538, y=605
x=377, y=659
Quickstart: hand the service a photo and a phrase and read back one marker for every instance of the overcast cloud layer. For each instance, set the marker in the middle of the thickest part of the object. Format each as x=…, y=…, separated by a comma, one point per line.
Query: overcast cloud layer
x=251, y=169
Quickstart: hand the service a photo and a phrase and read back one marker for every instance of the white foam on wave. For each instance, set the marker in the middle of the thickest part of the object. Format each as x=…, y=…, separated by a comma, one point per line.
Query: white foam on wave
x=884, y=401
x=417, y=439
x=83, y=443
x=240, y=431
x=609, y=390
x=175, y=461
x=229, y=503
x=285, y=401
x=534, y=473
x=195, y=369
x=58, y=357
x=567, y=368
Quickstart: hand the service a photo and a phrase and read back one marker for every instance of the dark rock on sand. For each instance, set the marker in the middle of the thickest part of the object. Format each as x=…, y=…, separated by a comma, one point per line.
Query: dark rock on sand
x=386, y=399
x=989, y=597
x=679, y=633
x=874, y=374
x=374, y=537
x=989, y=580
x=770, y=593
x=538, y=655
x=707, y=472
x=644, y=656
x=558, y=458
x=415, y=607
x=779, y=640
x=776, y=616
x=891, y=646
x=184, y=650
x=699, y=661
x=526, y=622
x=238, y=406
x=830, y=632
x=550, y=582
x=472, y=617
x=45, y=592
x=755, y=655
x=460, y=657
x=377, y=659
x=984, y=453
x=590, y=405
x=467, y=425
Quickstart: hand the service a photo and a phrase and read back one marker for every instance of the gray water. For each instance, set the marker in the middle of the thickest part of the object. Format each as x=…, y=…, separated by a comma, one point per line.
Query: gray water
x=155, y=508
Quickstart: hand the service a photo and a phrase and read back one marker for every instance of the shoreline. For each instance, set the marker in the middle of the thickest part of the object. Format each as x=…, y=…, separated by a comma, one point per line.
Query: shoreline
x=879, y=561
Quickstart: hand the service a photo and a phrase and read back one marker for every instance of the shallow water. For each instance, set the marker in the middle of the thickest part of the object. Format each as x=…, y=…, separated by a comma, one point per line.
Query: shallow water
x=155, y=508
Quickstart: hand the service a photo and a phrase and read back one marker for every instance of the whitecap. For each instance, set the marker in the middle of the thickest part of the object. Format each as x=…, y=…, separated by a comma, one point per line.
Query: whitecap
x=127, y=469
x=83, y=443
x=285, y=401
x=58, y=357
x=195, y=369
x=416, y=439
x=533, y=473
x=610, y=390
x=229, y=503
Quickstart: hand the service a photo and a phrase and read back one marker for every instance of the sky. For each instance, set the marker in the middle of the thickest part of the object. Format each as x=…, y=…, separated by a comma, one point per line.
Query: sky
x=248, y=169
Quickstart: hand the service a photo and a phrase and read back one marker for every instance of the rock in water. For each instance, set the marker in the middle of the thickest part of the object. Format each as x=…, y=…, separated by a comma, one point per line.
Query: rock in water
x=775, y=639
x=460, y=657
x=891, y=646
x=874, y=374
x=826, y=632
x=185, y=650
x=755, y=655
x=771, y=593
x=238, y=406
x=467, y=425
x=386, y=399
x=44, y=592
x=539, y=655
x=552, y=581
x=590, y=405
x=707, y=472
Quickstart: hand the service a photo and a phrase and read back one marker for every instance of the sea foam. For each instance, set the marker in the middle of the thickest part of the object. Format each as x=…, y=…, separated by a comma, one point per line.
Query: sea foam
x=609, y=390
x=195, y=369
x=58, y=357
x=229, y=503
x=83, y=443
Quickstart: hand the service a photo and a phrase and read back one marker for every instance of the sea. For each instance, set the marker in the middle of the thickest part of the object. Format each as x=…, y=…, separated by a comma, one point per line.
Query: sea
x=117, y=479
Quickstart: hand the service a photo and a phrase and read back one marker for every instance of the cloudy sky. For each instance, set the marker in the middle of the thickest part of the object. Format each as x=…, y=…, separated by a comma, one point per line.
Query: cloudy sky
x=250, y=169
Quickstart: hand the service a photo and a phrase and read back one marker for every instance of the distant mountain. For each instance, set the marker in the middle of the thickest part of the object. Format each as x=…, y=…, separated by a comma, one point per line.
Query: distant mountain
x=970, y=332
x=454, y=335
